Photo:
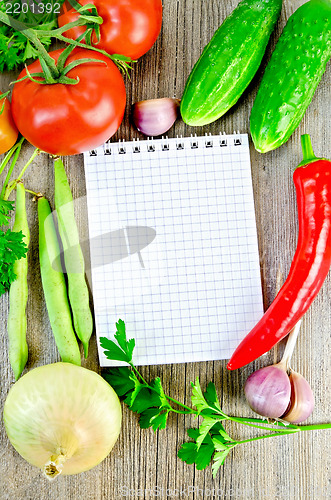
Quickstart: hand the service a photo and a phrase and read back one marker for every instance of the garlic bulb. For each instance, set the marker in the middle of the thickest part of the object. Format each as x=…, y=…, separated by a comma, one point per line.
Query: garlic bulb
x=155, y=116
x=62, y=418
x=268, y=391
x=302, y=399
x=272, y=393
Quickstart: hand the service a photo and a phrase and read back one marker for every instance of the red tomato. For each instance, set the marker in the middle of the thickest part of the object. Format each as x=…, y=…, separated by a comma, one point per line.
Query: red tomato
x=70, y=119
x=130, y=27
x=8, y=130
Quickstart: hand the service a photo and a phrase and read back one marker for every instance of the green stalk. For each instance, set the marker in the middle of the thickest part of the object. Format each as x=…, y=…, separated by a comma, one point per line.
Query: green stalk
x=257, y=438
x=307, y=148
x=58, y=31
x=15, y=149
x=9, y=154
x=307, y=151
x=10, y=187
x=314, y=427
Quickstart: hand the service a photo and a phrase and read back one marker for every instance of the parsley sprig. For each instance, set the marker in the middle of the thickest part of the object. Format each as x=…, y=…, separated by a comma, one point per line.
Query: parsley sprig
x=210, y=443
x=15, y=48
x=12, y=247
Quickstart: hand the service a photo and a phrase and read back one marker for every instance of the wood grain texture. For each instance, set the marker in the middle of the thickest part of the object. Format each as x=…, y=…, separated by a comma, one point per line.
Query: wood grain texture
x=144, y=464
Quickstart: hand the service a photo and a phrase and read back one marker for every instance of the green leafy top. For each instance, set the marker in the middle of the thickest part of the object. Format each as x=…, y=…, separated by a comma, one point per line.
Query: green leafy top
x=5, y=208
x=15, y=48
x=210, y=441
x=12, y=247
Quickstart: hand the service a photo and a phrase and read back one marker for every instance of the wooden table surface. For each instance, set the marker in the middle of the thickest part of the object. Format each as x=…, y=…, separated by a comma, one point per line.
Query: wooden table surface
x=143, y=464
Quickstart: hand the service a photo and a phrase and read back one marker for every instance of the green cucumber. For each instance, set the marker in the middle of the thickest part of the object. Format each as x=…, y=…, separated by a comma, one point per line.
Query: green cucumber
x=229, y=61
x=292, y=75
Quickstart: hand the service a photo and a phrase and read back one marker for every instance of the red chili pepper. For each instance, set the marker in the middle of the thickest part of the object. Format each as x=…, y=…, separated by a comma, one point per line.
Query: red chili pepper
x=310, y=265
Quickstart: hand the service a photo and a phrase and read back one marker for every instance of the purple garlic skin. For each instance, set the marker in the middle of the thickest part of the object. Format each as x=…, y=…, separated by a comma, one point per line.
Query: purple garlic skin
x=154, y=117
x=268, y=391
x=302, y=400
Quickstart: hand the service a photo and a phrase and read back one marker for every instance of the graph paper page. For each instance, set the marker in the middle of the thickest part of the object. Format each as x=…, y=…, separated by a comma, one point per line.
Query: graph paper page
x=174, y=246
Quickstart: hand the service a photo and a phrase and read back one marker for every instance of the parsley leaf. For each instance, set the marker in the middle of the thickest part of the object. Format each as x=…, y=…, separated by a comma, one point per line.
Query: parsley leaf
x=5, y=208
x=211, y=397
x=12, y=248
x=219, y=458
x=15, y=48
x=121, y=352
x=198, y=398
x=204, y=429
x=192, y=454
x=126, y=345
x=120, y=380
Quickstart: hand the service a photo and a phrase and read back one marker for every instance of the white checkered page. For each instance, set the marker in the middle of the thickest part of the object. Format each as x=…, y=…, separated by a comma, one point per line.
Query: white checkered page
x=174, y=248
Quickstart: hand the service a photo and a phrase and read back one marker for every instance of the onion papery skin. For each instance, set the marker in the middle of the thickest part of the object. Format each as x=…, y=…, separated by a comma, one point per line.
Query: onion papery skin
x=62, y=410
x=268, y=391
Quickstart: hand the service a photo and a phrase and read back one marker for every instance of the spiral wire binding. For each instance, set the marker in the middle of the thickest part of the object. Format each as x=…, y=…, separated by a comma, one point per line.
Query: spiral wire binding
x=180, y=144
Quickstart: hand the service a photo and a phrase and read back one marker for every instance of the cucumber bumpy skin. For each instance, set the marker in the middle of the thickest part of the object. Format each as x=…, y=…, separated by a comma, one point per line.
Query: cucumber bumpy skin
x=292, y=75
x=229, y=61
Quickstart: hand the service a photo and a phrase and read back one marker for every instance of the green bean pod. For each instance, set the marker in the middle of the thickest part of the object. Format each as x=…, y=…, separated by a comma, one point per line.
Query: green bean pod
x=54, y=286
x=73, y=256
x=18, y=293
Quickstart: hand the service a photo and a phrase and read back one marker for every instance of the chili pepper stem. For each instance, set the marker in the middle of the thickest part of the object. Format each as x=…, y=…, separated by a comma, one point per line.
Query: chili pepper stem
x=290, y=344
x=307, y=151
x=307, y=148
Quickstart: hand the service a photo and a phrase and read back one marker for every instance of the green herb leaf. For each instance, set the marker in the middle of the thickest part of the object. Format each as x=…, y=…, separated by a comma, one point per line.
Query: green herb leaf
x=126, y=345
x=112, y=351
x=141, y=399
x=204, y=429
x=5, y=208
x=120, y=380
x=192, y=454
x=15, y=48
x=197, y=397
x=121, y=352
x=211, y=397
x=154, y=417
x=219, y=458
x=12, y=248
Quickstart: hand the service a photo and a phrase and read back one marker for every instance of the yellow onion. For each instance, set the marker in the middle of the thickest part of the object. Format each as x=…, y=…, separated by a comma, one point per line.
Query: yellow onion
x=62, y=418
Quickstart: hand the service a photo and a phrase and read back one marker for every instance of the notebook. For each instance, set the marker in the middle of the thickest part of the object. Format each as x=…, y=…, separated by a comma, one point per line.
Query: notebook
x=173, y=245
